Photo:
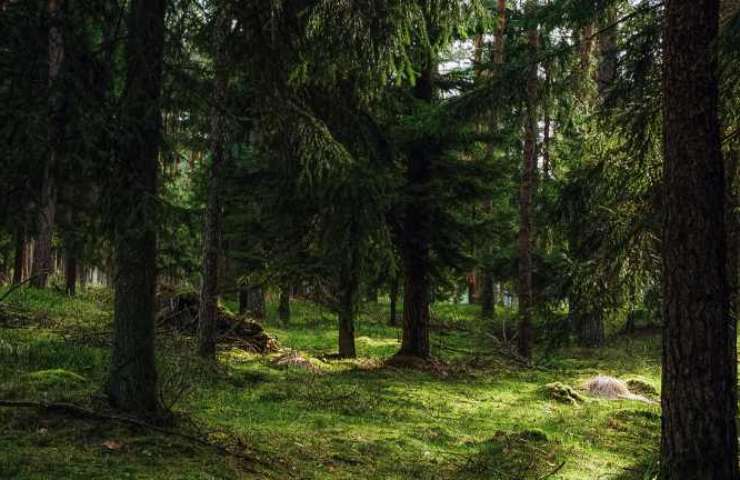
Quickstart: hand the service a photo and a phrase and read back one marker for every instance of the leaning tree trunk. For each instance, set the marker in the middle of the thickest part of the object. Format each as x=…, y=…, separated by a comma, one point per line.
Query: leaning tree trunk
x=699, y=438
x=42, y=263
x=525, y=203
x=417, y=231
x=133, y=377
x=213, y=218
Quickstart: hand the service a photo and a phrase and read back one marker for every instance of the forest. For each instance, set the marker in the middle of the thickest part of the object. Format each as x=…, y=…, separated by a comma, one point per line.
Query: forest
x=369, y=239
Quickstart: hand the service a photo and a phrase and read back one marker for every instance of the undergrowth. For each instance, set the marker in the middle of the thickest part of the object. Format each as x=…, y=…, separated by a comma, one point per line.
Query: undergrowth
x=480, y=417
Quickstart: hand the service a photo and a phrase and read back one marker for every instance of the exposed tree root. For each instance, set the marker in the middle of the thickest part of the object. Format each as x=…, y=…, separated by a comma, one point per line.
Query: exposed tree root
x=81, y=412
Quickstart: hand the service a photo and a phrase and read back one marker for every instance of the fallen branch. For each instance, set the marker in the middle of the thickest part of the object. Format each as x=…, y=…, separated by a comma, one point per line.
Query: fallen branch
x=19, y=285
x=509, y=350
x=81, y=412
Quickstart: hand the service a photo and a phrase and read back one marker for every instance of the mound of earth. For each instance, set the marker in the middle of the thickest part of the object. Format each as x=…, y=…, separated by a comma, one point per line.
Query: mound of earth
x=179, y=311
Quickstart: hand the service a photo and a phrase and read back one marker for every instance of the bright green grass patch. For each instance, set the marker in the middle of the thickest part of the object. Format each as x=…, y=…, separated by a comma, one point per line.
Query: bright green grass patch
x=485, y=418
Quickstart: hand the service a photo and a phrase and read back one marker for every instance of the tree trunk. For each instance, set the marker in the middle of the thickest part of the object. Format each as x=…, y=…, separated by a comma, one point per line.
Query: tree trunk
x=417, y=230
x=70, y=275
x=346, y=316
x=20, y=256
x=252, y=301
x=699, y=438
x=284, y=305
x=133, y=378
x=525, y=202
x=607, y=43
x=242, y=299
x=733, y=228
x=42, y=264
x=393, y=294
x=213, y=218
x=488, y=297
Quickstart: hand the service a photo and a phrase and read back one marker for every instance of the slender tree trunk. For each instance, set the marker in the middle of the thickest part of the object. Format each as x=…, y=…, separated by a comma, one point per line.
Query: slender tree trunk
x=42, y=262
x=488, y=297
x=284, y=305
x=417, y=235
x=70, y=275
x=133, y=378
x=699, y=437
x=525, y=202
x=393, y=294
x=242, y=299
x=212, y=229
x=346, y=314
x=20, y=255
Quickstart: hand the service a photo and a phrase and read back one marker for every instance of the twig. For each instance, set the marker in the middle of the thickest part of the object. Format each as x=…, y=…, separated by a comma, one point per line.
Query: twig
x=556, y=470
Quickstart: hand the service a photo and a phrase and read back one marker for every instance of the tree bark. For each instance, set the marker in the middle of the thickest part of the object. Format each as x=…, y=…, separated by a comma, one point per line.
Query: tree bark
x=284, y=305
x=70, y=274
x=525, y=202
x=393, y=294
x=417, y=230
x=213, y=218
x=607, y=43
x=20, y=255
x=699, y=438
x=132, y=385
x=42, y=262
x=488, y=297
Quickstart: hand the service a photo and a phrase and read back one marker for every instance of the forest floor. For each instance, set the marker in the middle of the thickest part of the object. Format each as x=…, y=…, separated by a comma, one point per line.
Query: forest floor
x=478, y=416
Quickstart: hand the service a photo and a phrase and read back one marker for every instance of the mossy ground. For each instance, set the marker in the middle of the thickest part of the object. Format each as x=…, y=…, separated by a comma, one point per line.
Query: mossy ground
x=482, y=418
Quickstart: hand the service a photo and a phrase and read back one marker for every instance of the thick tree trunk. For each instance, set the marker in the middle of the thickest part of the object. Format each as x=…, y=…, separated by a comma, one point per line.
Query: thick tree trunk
x=42, y=263
x=417, y=230
x=525, y=203
x=252, y=301
x=733, y=229
x=699, y=437
x=284, y=305
x=213, y=217
x=393, y=294
x=133, y=378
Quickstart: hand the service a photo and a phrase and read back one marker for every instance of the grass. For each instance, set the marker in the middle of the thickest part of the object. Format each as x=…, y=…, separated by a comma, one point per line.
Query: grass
x=486, y=418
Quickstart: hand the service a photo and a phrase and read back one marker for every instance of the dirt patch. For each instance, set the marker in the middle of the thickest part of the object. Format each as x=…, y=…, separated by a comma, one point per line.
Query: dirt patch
x=410, y=362
x=179, y=312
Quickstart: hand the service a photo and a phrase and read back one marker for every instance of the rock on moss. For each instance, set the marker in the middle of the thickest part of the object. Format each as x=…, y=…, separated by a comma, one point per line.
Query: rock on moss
x=641, y=387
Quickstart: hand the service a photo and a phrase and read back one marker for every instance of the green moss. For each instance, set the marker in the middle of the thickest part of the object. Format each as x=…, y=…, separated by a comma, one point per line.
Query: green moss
x=357, y=419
